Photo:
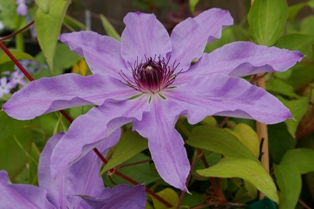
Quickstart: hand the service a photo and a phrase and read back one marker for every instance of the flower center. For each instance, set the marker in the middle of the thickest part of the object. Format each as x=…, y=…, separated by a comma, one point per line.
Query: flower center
x=151, y=76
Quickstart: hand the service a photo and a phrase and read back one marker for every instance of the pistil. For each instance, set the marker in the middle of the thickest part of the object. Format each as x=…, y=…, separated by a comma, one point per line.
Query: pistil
x=151, y=76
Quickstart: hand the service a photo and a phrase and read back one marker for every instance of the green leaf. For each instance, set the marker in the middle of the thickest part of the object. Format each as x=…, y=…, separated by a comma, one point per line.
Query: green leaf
x=209, y=120
x=227, y=36
x=77, y=111
x=109, y=28
x=19, y=55
x=130, y=144
x=280, y=141
x=192, y=4
x=289, y=182
x=301, y=158
x=8, y=15
x=298, y=109
x=218, y=140
x=301, y=74
x=48, y=25
x=12, y=157
x=43, y=5
x=64, y=58
x=211, y=157
x=247, y=136
x=250, y=188
x=247, y=169
x=70, y=21
x=281, y=87
x=307, y=25
x=298, y=42
x=144, y=173
x=266, y=20
x=33, y=160
x=167, y=194
x=191, y=200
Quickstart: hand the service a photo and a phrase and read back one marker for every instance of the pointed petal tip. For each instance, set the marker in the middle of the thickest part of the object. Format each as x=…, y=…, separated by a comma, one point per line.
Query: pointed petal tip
x=16, y=114
x=299, y=55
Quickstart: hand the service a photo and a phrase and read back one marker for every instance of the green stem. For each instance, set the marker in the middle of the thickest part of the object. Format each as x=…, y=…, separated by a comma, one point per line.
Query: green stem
x=19, y=40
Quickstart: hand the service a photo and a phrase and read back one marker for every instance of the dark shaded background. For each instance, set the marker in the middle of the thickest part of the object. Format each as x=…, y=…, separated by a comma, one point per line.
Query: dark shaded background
x=116, y=10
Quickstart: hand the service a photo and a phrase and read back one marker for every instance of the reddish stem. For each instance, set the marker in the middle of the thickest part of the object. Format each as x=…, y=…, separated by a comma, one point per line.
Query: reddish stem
x=17, y=32
x=218, y=193
x=30, y=78
x=5, y=49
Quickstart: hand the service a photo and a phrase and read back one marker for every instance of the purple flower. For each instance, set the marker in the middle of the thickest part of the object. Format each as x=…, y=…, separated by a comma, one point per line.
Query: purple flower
x=77, y=188
x=17, y=78
x=5, y=86
x=148, y=79
x=21, y=7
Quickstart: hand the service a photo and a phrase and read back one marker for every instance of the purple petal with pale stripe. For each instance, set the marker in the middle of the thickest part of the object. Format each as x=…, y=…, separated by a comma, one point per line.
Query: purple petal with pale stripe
x=164, y=142
x=190, y=37
x=24, y=196
x=102, y=53
x=64, y=91
x=119, y=197
x=245, y=58
x=143, y=37
x=93, y=128
x=222, y=95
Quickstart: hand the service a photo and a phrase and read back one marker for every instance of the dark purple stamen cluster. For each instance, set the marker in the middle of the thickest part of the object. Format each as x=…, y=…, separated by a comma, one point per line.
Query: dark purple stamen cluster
x=151, y=76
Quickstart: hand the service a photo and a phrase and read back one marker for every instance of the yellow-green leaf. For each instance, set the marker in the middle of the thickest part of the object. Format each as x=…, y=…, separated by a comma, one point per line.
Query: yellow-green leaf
x=17, y=54
x=289, y=182
x=218, y=140
x=48, y=25
x=130, y=144
x=247, y=169
x=193, y=4
x=298, y=109
x=109, y=28
x=167, y=194
x=247, y=136
x=43, y=5
x=302, y=158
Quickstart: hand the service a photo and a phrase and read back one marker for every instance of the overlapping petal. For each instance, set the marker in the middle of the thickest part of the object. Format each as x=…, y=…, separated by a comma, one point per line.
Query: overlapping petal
x=91, y=129
x=164, y=142
x=80, y=179
x=227, y=96
x=143, y=37
x=64, y=91
x=21, y=196
x=119, y=197
x=190, y=37
x=245, y=58
x=102, y=53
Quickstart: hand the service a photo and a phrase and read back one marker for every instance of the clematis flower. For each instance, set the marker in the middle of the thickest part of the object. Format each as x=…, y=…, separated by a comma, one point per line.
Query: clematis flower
x=81, y=179
x=148, y=79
